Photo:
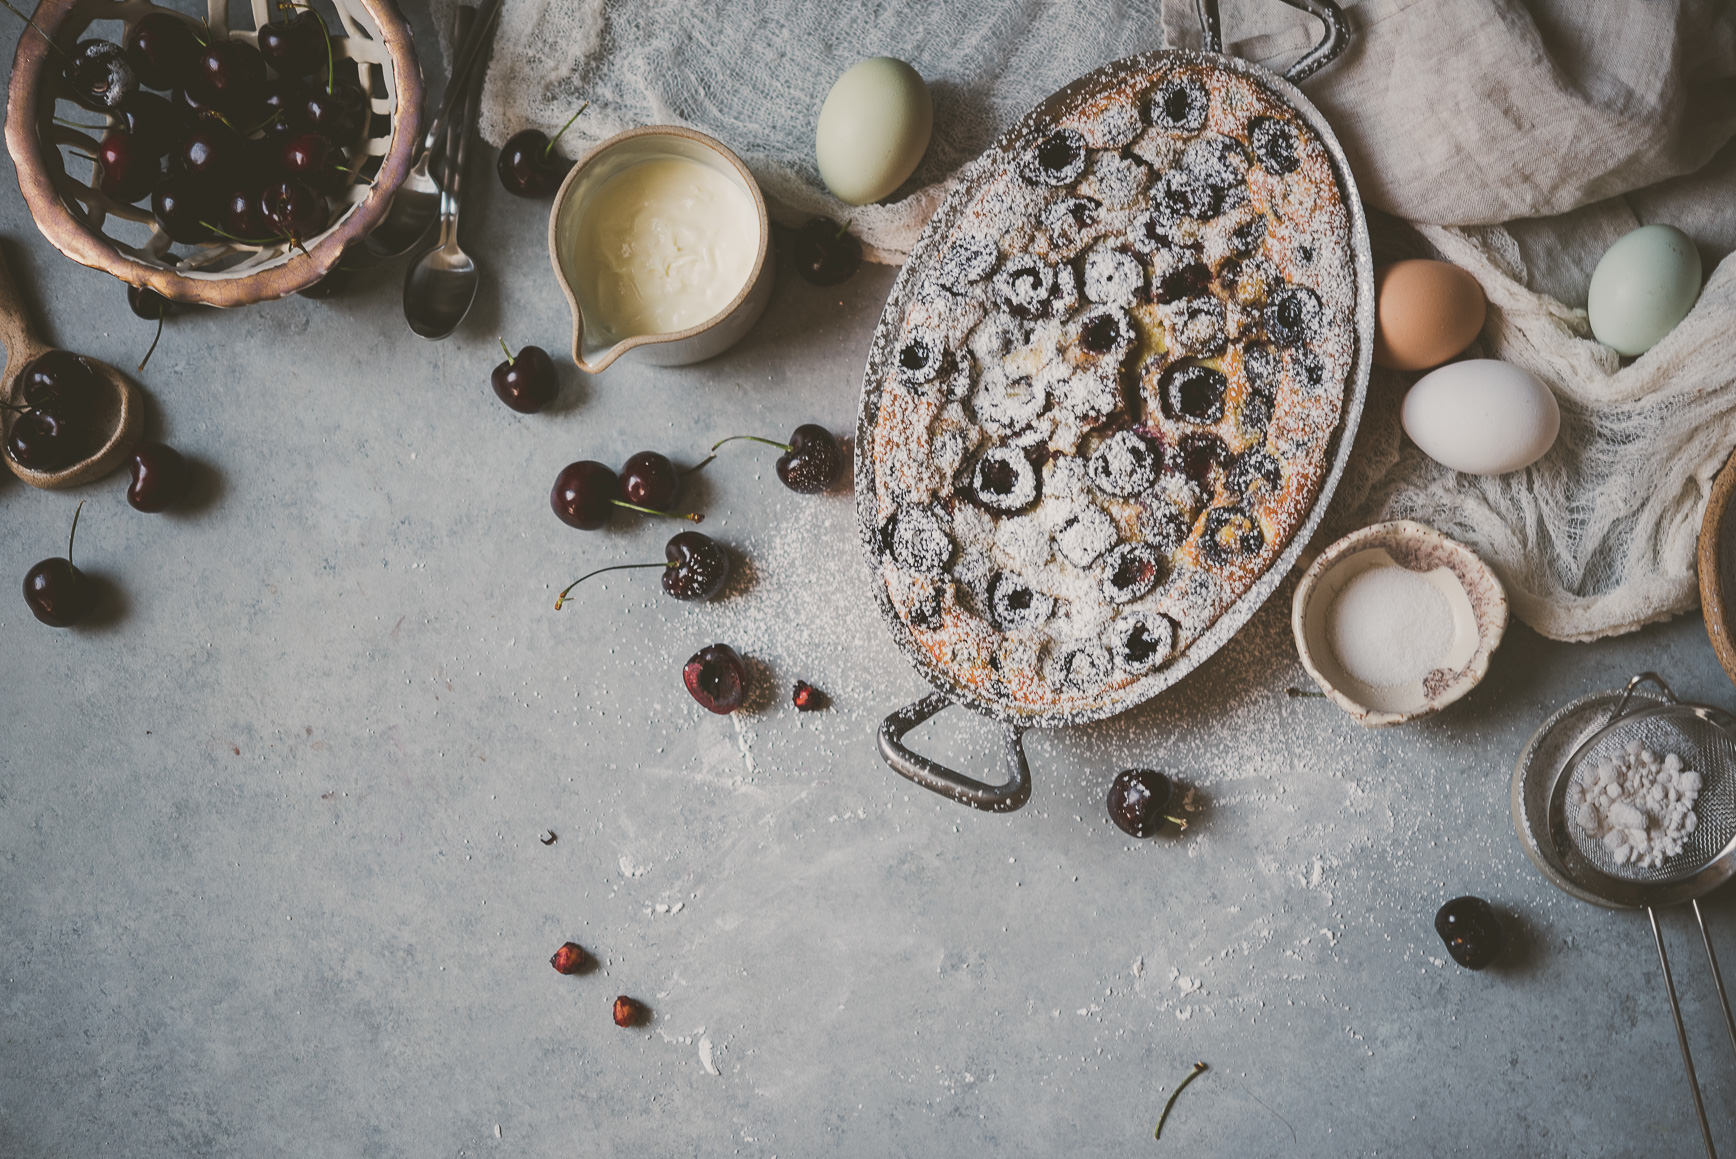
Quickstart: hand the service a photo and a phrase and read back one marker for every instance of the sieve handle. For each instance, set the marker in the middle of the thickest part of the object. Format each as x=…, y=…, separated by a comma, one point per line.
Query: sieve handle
x=1633, y=685
x=1681, y=1031
x=1717, y=975
x=937, y=778
x=1333, y=41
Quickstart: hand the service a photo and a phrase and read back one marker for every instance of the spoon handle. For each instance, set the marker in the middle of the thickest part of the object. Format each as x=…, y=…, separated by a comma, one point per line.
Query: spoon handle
x=457, y=148
x=437, y=140
x=22, y=341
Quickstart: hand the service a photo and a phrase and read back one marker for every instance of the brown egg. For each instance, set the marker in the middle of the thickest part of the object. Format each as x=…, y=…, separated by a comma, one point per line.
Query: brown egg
x=1425, y=312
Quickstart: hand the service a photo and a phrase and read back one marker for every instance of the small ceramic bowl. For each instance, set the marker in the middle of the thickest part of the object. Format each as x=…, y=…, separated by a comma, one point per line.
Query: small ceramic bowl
x=1717, y=567
x=593, y=350
x=1479, y=609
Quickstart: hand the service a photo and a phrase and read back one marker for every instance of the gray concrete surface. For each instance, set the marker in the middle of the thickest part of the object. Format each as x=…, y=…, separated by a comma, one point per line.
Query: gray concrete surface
x=270, y=876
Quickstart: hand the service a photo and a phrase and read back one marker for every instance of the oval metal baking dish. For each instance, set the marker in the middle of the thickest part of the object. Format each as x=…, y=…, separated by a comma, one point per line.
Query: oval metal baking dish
x=1015, y=789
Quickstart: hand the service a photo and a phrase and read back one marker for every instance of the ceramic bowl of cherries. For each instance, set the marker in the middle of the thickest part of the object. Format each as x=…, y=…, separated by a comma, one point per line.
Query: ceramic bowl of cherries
x=229, y=167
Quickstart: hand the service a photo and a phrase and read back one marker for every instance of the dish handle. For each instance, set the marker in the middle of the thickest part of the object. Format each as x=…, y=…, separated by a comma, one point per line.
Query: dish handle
x=1332, y=44
x=937, y=778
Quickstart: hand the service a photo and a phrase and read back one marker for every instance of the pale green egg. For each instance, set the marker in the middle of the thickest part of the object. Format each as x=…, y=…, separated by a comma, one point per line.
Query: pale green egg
x=873, y=129
x=1643, y=285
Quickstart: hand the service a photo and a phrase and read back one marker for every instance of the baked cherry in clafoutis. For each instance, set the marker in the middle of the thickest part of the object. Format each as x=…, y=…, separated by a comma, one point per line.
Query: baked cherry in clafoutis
x=528, y=164
x=587, y=492
x=809, y=461
x=698, y=568
x=58, y=593
x=526, y=381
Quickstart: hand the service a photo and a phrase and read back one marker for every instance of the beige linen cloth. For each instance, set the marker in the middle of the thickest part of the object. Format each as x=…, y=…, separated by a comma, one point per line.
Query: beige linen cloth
x=1517, y=138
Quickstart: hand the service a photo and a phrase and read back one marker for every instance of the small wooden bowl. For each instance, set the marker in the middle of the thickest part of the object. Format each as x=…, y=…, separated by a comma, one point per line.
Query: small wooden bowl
x=119, y=413
x=1717, y=566
x=124, y=240
x=1479, y=611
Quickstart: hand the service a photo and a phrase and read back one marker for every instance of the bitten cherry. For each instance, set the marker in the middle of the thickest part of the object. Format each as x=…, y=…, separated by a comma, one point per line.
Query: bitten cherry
x=716, y=678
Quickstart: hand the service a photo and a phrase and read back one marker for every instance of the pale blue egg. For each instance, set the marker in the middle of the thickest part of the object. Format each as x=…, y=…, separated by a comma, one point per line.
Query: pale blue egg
x=1643, y=285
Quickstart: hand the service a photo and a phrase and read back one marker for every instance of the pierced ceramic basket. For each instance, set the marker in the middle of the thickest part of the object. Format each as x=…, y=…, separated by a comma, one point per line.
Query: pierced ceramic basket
x=124, y=240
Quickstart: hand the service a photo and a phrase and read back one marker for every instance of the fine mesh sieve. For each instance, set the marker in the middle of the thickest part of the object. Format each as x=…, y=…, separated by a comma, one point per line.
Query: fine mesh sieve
x=1704, y=738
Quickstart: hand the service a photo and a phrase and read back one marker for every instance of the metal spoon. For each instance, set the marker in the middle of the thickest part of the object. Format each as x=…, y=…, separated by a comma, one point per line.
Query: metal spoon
x=440, y=284
x=416, y=204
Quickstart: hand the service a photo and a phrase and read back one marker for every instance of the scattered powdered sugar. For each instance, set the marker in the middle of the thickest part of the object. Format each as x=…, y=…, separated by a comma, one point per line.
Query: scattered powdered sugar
x=1389, y=626
x=1640, y=805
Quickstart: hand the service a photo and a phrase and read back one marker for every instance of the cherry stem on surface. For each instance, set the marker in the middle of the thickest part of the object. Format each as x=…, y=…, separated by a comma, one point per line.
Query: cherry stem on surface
x=1178, y=822
x=1199, y=1068
x=158, y=338
x=76, y=512
x=511, y=358
x=843, y=229
x=690, y=516
x=561, y=599
x=701, y=465
x=549, y=148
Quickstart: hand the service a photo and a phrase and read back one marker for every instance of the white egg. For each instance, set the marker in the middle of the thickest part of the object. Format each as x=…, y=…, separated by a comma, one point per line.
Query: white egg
x=1481, y=416
x=873, y=129
x=1643, y=285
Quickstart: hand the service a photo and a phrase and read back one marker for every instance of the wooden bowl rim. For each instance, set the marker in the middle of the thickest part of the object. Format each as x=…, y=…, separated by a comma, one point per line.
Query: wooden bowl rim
x=78, y=241
x=1715, y=605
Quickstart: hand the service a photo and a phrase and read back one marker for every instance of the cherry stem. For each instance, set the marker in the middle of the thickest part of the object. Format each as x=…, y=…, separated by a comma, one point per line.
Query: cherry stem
x=843, y=229
x=1199, y=1068
x=1178, y=822
x=511, y=359
x=74, y=532
x=66, y=124
x=690, y=516
x=561, y=599
x=549, y=148
x=154, y=341
x=755, y=438
x=19, y=13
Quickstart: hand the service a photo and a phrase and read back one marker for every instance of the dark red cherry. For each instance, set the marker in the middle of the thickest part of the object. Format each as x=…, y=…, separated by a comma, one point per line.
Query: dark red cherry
x=282, y=104
x=1137, y=800
x=649, y=479
x=697, y=569
x=304, y=155
x=162, y=49
x=526, y=381
x=825, y=252
x=584, y=494
x=57, y=592
x=294, y=47
x=159, y=476
x=183, y=206
x=210, y=151
x=294, y=209
x=698, y=566
x=1471, y=931
x=339, y=113
x=98, y=75
x=46, y=439
x=229, y=76
x=153, y=123
x=716, y=678
x=529, y=166
x=242, y=217
x=809, y=461
x=60, y=378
